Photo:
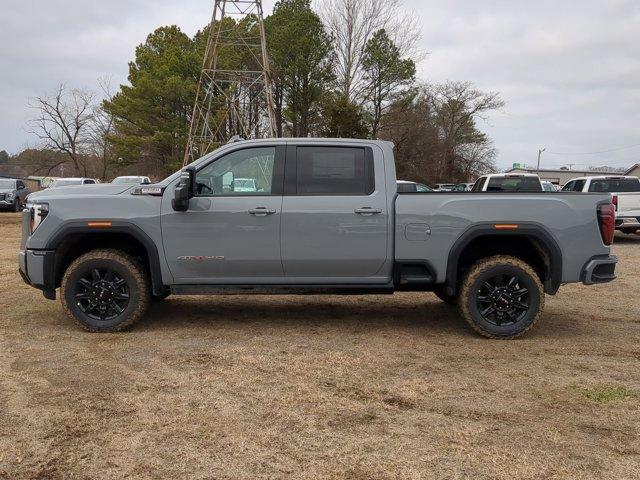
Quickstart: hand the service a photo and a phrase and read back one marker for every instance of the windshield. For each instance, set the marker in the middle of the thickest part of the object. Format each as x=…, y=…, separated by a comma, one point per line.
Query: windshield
x=616, y=185
x=65, y=183
x=134, y=180
x=7, y=184
x=514, y=184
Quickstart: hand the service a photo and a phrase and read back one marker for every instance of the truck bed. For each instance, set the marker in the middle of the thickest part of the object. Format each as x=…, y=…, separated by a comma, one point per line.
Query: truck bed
x=428, y=224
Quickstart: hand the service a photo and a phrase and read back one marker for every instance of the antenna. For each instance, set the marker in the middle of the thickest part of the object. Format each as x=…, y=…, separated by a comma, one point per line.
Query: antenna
x=233, y=98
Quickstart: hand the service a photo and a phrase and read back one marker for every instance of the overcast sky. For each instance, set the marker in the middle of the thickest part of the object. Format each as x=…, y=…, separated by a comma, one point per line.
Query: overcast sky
x=568, y=70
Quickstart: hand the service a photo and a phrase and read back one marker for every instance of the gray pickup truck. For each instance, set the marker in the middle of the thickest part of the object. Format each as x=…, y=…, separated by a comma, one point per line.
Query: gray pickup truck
x=322, y=216
x=13, y=194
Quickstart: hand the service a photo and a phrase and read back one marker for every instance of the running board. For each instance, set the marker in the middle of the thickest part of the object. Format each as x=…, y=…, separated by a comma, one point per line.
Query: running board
x=359, y=289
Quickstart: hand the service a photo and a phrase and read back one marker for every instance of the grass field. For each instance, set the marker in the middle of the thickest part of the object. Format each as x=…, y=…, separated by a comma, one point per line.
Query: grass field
x=388, y=387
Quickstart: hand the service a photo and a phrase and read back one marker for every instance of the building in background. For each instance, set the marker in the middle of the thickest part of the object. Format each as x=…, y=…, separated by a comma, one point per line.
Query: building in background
x=634, y=171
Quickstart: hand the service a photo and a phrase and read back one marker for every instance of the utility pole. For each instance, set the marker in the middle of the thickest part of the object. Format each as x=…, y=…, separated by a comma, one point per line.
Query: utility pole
x=237, y=99
x=539, y=155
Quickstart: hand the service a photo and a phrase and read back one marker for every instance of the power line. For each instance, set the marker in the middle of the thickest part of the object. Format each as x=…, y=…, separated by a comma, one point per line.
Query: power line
x=596, y=153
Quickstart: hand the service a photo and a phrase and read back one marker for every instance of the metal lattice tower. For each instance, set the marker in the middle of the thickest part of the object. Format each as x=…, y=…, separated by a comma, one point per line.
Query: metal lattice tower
x=234, y=94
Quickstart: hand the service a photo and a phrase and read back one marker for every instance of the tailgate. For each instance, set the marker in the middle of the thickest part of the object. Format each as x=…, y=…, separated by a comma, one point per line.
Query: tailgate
x=628, y=204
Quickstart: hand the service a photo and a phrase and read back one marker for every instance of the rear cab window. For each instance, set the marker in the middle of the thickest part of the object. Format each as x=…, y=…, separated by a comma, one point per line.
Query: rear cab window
x=514, y=184
x=328, y=170
x=615, y=185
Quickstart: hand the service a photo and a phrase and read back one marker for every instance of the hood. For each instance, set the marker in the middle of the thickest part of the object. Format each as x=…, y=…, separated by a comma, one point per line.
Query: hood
x=7, y=190
x=97, y=190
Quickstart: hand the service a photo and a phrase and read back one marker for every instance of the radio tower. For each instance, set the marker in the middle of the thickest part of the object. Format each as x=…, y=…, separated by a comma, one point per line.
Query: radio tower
x=233, y=98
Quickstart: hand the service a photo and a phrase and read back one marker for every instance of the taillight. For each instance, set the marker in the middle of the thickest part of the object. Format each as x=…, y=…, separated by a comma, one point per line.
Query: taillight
x=614, y=200
x=607, y=222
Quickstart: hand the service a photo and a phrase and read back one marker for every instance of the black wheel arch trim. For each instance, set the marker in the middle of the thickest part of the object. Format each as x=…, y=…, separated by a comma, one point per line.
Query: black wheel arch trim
x=530, y=230
x=75, y=227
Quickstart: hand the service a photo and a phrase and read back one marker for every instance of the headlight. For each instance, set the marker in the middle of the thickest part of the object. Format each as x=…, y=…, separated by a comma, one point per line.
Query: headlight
x=38, y=212
x=10, y=195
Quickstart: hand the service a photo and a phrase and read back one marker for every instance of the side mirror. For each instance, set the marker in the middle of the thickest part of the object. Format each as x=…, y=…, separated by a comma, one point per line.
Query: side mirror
x=183, y=191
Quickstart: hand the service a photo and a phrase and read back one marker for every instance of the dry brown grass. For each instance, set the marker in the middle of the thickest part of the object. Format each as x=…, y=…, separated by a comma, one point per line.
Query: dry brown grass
x=320, y=387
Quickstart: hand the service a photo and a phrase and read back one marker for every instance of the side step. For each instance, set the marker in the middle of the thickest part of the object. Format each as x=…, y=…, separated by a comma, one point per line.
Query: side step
x=360, y=289
x=414, y=276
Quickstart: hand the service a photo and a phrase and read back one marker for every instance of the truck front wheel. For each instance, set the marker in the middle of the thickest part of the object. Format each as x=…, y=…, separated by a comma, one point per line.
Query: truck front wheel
x=501, y=297
x=105, y=291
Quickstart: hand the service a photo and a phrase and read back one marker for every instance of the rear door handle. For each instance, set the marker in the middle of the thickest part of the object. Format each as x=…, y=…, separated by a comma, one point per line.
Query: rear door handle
x=261, y=211
x=367, y=211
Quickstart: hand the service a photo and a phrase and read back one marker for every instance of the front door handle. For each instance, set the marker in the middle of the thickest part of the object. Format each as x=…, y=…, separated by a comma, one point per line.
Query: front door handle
x=261, y=211
x=367, y=211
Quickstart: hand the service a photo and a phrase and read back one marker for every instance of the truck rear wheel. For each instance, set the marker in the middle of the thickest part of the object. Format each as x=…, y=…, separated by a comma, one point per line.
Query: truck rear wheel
x=105, y=291
x=501, y=297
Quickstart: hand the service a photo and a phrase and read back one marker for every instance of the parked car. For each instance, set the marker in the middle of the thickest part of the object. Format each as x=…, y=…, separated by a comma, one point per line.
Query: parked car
x=405, y=186
x=329, y=221
x=244, y=185
x=547, y=186
x=462, y=187
x=443, y=187
x=132, y=180
x=625, y=193
x=70, y=181
x=508, y=182
x=13, y=193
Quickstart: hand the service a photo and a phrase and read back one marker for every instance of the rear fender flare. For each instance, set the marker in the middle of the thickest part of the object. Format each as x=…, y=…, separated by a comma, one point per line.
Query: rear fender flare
x=533, y=231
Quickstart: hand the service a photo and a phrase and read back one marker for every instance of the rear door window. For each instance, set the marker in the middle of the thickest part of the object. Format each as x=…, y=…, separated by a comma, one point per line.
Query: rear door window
x=514, y=184
x=334, y=171
x=616, y=185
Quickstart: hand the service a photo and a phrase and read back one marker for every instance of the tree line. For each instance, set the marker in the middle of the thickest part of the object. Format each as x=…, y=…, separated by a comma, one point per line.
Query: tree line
x=346, y=69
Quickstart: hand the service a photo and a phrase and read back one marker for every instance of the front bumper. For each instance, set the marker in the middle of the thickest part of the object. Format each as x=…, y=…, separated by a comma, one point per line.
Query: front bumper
x=599, y=269
x=37, y=269
x=7, y=203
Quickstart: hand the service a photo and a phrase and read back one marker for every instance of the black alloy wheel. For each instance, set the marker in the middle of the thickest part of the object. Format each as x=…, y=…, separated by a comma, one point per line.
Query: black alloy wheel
x=503, y=299
x=102, y=294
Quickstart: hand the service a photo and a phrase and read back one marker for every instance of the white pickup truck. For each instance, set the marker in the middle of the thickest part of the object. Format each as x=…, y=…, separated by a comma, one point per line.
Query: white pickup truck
x=508, y=182
x=625, y=193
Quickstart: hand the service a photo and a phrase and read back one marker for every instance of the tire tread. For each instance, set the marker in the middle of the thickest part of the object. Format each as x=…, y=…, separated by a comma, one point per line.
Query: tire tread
x=470, y=279
x=136, y=270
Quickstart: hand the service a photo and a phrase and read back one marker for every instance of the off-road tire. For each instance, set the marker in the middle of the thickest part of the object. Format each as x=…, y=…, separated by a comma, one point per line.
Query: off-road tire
x=507, y=265
x=130, y=270
x=446, y=298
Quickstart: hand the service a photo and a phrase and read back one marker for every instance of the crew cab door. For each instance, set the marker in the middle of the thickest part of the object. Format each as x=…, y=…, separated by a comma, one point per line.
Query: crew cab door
x=231, y=231
x=335, y=218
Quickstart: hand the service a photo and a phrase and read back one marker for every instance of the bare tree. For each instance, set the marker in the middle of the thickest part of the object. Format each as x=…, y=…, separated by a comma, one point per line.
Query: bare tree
x=352, y=23
x=458, y=105
x=435, y=133
x=99, y=129
x=62, y=123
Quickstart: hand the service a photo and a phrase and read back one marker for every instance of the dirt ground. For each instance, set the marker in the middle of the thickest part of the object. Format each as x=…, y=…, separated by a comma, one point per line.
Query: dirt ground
x=374, y=387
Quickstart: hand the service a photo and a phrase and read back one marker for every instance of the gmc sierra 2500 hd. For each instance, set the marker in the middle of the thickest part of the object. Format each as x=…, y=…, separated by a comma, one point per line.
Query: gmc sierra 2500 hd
x=324, y=217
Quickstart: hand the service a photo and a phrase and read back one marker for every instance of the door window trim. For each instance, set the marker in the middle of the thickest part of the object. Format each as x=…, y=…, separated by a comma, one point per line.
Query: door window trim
x=291, y=170
x=277, y=178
